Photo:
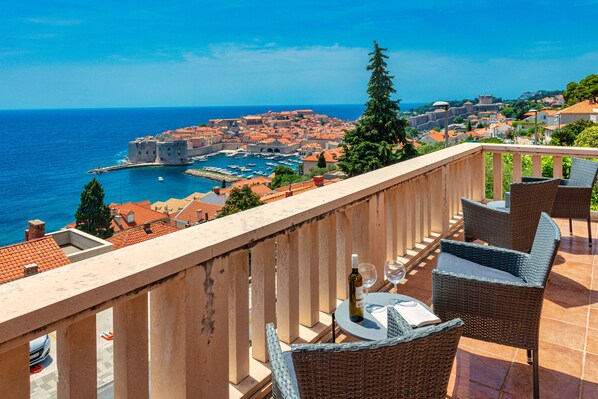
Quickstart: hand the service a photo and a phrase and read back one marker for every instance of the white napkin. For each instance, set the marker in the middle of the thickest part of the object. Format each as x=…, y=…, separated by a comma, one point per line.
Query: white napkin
x=416, y=316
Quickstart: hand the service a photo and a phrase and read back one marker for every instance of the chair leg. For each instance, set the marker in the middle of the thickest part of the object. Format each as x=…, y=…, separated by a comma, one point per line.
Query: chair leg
x=570, y=227
x=529, y=357
x=536, y=367
x=590, y=230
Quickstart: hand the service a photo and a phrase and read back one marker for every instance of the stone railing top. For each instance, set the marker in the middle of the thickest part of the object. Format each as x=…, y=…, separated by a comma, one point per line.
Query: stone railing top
x=580, y=152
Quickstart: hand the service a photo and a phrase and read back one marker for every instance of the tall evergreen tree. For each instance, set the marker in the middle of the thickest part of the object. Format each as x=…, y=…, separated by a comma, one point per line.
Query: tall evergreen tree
x=93, y=216
x=370, y=145
x=321, y=161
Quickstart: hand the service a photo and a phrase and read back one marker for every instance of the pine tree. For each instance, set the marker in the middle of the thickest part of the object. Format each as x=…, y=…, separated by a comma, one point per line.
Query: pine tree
x=321, y=161
x=93, y=216
x=370, y=145
x=239, y=200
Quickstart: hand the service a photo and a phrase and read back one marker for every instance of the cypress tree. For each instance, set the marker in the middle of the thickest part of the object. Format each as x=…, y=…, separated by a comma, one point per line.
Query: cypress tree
x=370, y=145
x=321, y=161
x=93, y=216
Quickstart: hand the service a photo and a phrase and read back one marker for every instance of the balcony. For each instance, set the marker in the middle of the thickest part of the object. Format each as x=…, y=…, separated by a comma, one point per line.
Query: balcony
x=181, y=303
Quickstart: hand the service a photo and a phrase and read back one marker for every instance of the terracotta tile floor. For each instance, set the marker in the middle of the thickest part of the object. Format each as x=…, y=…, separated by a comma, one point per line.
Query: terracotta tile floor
x=568, y=333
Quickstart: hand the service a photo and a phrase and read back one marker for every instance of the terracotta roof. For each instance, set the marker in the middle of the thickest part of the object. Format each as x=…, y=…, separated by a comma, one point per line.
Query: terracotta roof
x=142, y=213
x=189, y=214
x=259, y=189
x=44, y=252
x=255, y=180
x=582, y=107
x=331, y=156
x=273, y=197
x=139, y=234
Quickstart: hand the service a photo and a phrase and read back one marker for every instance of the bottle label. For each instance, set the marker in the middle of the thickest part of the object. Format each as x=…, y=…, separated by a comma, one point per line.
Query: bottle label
x=359, y=297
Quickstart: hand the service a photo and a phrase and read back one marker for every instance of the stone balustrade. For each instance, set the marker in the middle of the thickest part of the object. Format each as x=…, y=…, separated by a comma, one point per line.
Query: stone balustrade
x=186, y=321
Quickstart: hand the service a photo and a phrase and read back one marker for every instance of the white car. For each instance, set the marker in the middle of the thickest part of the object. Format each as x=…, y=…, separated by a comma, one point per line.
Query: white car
x=39, y=349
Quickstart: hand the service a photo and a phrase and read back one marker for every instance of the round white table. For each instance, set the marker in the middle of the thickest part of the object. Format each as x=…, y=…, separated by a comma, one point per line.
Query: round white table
x=369, y=329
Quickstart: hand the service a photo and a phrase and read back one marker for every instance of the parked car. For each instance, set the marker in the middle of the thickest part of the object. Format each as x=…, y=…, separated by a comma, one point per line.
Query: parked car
x=39, y=349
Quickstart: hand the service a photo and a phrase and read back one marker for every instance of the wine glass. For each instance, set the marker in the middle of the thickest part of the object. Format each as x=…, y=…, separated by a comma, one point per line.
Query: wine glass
x=395, y=273
x=369, y=276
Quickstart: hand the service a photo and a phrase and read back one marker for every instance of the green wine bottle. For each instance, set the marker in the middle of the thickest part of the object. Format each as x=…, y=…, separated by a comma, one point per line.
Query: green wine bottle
x=355, y=292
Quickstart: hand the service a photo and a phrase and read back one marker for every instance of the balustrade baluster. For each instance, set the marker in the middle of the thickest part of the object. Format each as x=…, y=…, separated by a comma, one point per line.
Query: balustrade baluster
x=76, y=363
x=497, y=175
x=263, y=296
x=238, y=316
x=287, y=286
x=308, y=274
x=131, y=362
x=14, y=369
x=327, y=263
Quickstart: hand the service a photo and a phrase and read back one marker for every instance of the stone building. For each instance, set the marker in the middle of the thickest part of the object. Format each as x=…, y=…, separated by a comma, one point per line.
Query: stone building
x=150, y=150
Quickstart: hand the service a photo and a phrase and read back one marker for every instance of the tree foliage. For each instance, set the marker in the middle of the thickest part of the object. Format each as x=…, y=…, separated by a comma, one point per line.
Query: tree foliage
x=93, y=216
x=284, y=176
x=370, y=145
x=321, y=161
x=587, y=138
x=567, y=135
x=240, y=199
x=315, y=171
x=587, y=88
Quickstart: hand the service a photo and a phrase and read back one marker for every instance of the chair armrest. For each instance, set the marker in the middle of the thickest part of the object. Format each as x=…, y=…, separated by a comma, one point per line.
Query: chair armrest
x=503, y=259
x=281, y=377
x=397, y=326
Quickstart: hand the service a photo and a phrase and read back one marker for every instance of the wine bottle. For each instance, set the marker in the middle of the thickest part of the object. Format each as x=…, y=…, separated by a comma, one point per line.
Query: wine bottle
x=355, y=292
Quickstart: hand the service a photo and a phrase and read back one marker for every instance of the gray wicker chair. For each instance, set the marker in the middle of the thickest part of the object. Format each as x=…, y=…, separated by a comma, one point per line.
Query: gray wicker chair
x=574, y=195
x=410, y=363
x=513, y=227
x=498, y=293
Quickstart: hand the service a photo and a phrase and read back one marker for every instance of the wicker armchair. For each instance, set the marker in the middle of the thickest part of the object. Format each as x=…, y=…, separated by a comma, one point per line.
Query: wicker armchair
x=513, y=227
x=497, y=292
x=410, y=363
x=574, y=195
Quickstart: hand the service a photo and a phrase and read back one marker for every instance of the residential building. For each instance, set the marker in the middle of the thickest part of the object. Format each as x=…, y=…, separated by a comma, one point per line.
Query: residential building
x=196, y=212
x=331, y=157
x=587, y=109
x=141, y=233
x=131, y=214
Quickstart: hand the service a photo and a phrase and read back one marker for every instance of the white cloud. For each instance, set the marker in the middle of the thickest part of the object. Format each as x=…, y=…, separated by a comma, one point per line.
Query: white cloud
x=53, y=21
x=233, y=74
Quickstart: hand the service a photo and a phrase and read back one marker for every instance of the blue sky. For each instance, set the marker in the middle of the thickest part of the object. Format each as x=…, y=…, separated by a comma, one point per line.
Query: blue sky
x=56, y=54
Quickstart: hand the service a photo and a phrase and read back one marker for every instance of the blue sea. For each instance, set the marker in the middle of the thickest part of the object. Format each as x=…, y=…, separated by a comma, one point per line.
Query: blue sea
x=45, y=156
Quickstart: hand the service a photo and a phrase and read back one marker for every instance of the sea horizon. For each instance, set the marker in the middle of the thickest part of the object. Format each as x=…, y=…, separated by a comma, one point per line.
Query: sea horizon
x=401, y=106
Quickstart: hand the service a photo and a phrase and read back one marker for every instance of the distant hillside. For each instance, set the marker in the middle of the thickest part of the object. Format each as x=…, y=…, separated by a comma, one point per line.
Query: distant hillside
x=539, y=94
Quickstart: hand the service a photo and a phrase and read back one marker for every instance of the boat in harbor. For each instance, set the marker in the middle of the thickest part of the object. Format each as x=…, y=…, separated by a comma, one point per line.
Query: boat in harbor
x=251, y=164
x=160, y=178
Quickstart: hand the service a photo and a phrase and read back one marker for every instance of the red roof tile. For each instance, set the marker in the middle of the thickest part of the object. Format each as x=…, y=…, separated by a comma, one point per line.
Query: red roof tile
x=139, y=234
x=142, y=213
x=190, y=214
x=44, y=252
